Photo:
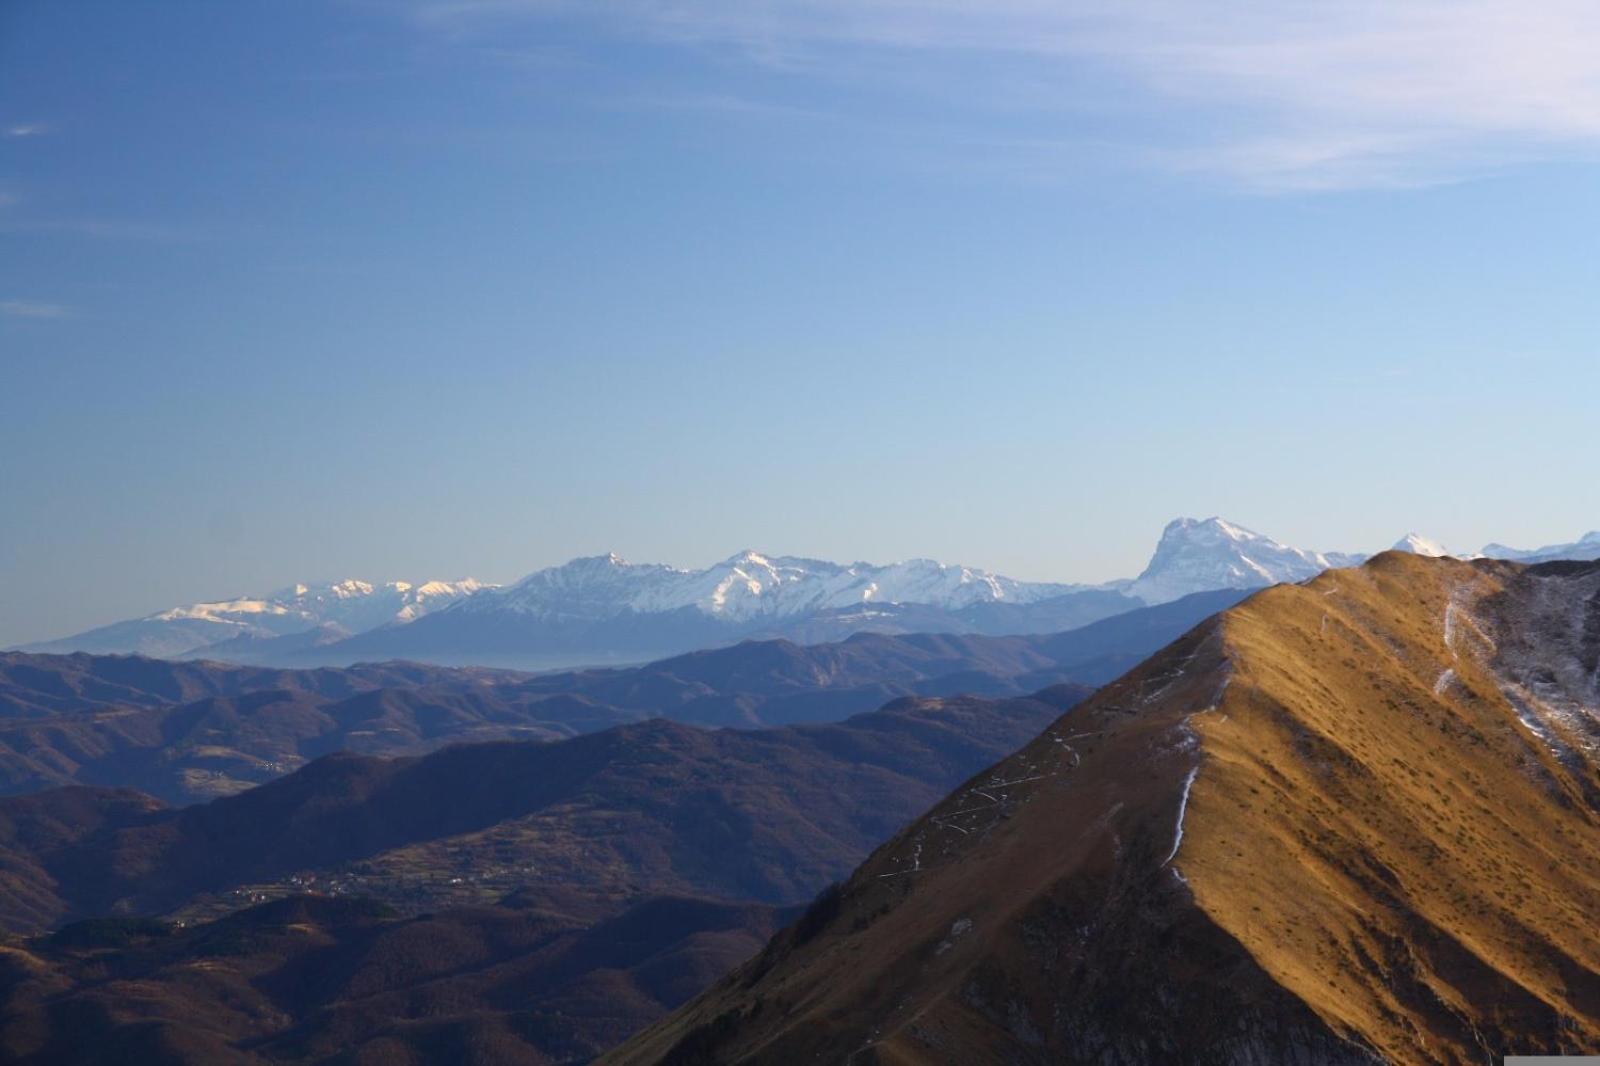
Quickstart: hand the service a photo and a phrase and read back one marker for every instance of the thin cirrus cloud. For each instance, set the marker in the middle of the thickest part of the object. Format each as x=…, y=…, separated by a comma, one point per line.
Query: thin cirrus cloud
x=31, y=309
x=1276, y=93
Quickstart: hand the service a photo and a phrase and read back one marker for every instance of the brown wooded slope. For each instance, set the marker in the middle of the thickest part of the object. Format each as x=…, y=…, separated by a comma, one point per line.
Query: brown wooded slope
x=649, y=808
x=324, y=980
x=1351, y=820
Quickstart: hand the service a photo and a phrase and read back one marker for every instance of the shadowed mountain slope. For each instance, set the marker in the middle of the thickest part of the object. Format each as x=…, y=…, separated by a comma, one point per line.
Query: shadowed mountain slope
x=653, y=807
x=1351, y=820
x=37, y=686
x=193, y=731
x=573, y=891
x=328, y=980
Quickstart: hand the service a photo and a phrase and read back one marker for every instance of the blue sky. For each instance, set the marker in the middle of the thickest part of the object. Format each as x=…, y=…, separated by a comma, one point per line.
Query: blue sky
x=313, y=289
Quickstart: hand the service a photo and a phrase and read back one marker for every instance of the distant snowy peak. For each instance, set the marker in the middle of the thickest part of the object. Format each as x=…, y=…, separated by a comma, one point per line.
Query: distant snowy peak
x=1196, y=555
x=350, y=606
x=605, y=606
x=1586, y=548
x=752, y=586
x=1420, y=545
x=350, y=603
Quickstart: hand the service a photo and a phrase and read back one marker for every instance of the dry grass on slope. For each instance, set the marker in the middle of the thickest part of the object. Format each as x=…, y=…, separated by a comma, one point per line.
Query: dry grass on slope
x=1383, y=834
x=1313, y=830
x=1027, y=918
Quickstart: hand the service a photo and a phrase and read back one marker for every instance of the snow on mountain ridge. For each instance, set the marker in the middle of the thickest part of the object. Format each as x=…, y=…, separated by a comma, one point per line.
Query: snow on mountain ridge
x=1198, y=555
x=352, y=605
x=1584, y=549
x=748, y=592
x=1417, y=544
x=331, y=602
x=751, y=585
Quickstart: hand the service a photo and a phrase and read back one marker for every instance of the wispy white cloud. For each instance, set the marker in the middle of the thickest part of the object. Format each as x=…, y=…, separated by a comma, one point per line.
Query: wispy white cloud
x=31, y=309
x=27, y=129
x=723, y=104
x=1276, y=93
x=100, y=228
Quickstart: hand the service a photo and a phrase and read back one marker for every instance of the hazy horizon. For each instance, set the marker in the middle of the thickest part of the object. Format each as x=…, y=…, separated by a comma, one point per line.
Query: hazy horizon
x=705, y=562
x=426, y=289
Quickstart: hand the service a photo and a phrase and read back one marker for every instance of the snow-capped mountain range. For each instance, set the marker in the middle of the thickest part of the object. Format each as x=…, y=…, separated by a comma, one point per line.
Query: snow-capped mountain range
x=603, y=608
x=1585, y=548
x=751, y=586
x=606, y=609
x=335, y=609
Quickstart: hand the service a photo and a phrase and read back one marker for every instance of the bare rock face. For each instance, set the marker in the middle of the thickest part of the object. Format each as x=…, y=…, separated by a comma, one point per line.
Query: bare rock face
x=1543, y=647
x=1352, y=820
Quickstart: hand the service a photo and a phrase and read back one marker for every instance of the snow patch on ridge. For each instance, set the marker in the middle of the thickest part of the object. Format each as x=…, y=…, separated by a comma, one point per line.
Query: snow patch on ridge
x=1183, y=808
x=1547, y=667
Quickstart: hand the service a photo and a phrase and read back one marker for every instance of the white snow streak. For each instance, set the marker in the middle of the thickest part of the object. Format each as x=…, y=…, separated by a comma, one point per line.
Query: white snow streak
x=1183, y=807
